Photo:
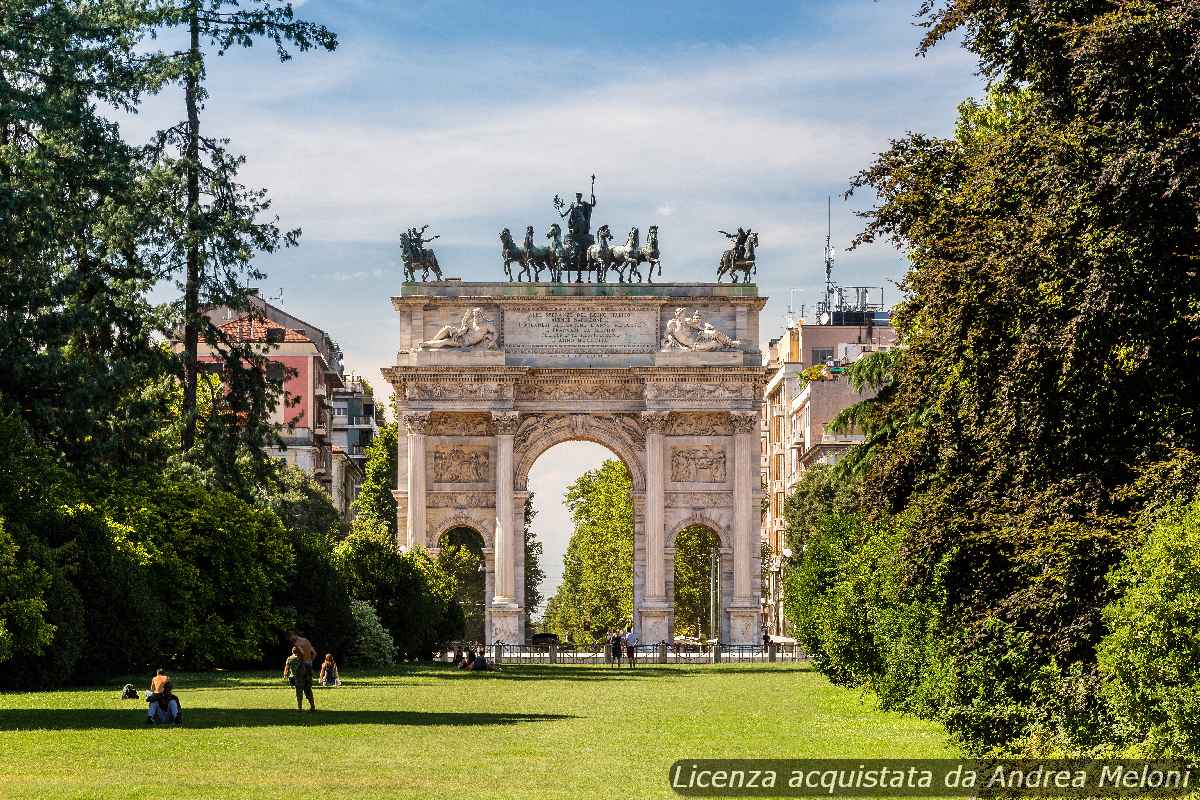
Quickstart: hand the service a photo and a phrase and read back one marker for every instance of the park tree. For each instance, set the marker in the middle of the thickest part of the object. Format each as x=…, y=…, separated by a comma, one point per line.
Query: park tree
x=77, y=336
x=695, y=547
x=1049, y=363
x=535, y=575
x=211, y=225
x=596, y=593
x=375, y=507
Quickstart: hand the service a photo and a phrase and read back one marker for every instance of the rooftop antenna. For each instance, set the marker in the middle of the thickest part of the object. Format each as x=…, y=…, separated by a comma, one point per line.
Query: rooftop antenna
x=278, y=298
x=791, y=320
x=825, y=312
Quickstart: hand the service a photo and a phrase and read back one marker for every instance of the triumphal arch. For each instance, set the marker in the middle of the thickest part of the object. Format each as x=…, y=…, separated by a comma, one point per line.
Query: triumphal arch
x=666, y=376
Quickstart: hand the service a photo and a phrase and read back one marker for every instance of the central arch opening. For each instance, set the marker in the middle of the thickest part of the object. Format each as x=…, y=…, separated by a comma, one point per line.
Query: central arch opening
x=585, y=524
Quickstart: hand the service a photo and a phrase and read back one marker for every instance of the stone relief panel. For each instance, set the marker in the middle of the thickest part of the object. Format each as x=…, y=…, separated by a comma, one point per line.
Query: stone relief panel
x=698, y=464
x=714, y=423
x=699, y=391
x=462, y=464
x=457, y=390
x=557, y=390
x=471, y=424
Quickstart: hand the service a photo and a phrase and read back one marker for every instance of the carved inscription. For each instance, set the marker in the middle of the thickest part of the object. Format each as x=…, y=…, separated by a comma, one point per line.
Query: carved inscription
x=698, y=499
x=701, y=464
x=581, y=330
x=461, y=500
x=463, y=464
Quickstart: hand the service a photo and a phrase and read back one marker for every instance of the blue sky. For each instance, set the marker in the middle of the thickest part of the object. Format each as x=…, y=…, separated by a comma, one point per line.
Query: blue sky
x=470, y=116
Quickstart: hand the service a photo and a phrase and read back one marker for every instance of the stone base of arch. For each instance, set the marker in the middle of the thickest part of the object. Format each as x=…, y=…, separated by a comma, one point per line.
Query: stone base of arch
x=590, y=363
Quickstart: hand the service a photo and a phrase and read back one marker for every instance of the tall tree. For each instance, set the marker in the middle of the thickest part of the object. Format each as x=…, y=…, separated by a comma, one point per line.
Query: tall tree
x=596, y=593
x=375, y=507
x=534, y=574
x=214, y=223
x=77, y=335
x=695, y=547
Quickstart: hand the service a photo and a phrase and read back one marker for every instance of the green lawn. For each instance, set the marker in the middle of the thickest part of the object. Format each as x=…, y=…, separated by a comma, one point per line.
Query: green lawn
x=428, y=732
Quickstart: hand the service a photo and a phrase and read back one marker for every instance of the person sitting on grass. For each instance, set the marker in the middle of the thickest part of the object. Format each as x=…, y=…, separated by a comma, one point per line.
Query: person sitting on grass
x=480, y=664
x=161, y=703
x=468, y=660
x=299, y=673
x=329, y=672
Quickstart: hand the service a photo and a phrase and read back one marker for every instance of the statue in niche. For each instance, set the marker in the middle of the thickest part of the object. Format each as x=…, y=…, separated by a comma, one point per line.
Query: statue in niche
x=693, y=333
x=475, y=331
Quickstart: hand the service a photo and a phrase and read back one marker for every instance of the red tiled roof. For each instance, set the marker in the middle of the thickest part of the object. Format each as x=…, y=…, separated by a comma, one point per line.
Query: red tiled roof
x=248, y=329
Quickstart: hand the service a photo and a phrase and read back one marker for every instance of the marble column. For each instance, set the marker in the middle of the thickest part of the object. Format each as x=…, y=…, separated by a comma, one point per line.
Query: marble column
x=505, y=625
x=417, y=425
x=656, y=610
x=743, y=611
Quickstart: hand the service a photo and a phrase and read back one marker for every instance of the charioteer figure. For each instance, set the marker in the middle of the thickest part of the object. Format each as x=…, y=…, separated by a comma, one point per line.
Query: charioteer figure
x=579, y=227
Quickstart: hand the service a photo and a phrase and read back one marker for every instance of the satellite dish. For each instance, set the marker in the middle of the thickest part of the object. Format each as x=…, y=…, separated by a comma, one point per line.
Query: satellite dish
x=823, y=318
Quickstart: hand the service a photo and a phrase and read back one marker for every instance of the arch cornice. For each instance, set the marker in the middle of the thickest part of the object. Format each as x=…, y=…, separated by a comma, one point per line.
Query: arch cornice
x=620, y=433
x=464, y=520
x=705, y=521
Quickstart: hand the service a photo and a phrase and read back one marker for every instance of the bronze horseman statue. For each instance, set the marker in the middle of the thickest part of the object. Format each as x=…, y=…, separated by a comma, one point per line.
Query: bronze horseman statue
x=739, y=257
x=414, y=254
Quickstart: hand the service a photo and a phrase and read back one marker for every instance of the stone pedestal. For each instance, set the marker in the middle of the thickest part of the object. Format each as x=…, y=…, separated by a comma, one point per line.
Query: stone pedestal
x=656, y=624
x=452, y=358
x=743, y=624
x=505, y=623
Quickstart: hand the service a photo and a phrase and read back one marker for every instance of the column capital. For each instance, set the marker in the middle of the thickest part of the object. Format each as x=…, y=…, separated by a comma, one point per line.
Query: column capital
x=744, y=421
x=506, y=422
x=416, y=421
x=655, y=421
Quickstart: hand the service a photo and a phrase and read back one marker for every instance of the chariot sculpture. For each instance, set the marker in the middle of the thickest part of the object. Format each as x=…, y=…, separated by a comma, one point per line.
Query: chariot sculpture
x=580, y=252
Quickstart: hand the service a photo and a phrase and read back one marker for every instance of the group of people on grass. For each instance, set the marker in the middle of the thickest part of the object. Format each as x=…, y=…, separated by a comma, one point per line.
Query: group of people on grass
x=300, y=667
x=474, y=662
x=620, y=645
x=163, y=706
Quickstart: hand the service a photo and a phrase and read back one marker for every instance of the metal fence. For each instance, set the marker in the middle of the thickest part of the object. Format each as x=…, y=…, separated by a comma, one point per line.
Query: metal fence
x=646, y=654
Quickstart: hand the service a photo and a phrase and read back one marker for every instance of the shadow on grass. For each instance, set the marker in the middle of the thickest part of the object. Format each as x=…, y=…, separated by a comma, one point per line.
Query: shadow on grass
x=93, y=718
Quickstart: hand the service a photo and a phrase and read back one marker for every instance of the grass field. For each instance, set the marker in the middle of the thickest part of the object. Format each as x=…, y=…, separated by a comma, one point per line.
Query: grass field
x=428, y=732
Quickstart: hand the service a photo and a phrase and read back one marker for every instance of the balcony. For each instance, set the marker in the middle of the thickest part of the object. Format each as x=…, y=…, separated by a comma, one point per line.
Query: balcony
x=356, y=450
x=360, y=421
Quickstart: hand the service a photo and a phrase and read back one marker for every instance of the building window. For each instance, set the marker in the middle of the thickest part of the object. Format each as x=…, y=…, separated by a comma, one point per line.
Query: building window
x=821, y=354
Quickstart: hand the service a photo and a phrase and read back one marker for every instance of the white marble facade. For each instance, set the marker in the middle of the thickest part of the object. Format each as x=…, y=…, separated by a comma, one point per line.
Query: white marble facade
x=519, y=368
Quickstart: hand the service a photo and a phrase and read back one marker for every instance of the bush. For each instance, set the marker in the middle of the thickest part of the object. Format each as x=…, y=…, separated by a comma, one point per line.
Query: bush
x=373, y=646
x=315, y=598
x=413, y=595
x=216, y=562
x=1150, y=660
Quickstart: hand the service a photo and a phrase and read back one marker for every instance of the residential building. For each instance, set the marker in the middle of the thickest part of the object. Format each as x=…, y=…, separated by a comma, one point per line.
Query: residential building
x=806, y=389
x=356, y=421
x=311, y=370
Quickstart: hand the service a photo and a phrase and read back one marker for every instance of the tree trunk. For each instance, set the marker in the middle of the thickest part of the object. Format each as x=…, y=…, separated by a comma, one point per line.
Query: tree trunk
x=191, y=295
